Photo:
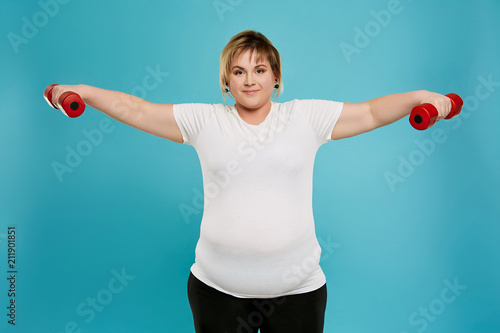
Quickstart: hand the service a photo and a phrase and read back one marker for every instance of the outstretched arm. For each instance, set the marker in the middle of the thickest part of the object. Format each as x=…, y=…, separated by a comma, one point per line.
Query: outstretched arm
x=157, y=119
x=357, y=118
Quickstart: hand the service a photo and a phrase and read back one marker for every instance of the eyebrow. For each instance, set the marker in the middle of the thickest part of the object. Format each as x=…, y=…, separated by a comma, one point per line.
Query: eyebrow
x=259, y=65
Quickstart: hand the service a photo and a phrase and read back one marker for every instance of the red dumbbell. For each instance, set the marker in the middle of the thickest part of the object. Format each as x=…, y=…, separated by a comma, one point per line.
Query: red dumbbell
x=424, y=115
x=71, y=103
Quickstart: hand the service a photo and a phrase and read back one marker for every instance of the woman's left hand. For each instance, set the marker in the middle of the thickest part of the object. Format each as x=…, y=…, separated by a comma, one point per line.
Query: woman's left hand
x=441, y=102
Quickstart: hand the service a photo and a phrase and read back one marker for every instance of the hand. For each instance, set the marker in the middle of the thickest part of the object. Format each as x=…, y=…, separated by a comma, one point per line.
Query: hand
x=441, y=102
x=59, y=89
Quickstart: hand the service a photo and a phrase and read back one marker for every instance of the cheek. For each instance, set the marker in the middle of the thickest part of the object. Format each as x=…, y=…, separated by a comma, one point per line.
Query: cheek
x=234, y=82
x=268, y=84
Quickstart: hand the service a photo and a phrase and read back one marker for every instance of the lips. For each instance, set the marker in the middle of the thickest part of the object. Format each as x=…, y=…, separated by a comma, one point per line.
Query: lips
x=250, y=92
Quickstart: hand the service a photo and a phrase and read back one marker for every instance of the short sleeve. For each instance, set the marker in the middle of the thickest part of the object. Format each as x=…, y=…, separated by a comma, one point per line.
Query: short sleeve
x=191, y=118
x=322, y=116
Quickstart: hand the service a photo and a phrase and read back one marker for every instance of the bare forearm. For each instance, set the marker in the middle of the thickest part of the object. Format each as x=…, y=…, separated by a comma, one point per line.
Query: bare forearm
x=123, y=107
x=154, y=118
x=390, y=108
x=357, y=118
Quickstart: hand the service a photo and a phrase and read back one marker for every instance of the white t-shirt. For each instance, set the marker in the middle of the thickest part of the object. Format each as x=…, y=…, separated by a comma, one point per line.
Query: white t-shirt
x=257, y=232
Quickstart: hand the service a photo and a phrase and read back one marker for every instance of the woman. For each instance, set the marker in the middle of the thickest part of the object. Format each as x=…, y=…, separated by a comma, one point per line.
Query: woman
x=257, y=259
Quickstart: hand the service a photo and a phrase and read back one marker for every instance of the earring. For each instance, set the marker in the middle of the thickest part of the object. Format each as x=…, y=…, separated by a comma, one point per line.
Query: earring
x=276, y=86
x=227, y=89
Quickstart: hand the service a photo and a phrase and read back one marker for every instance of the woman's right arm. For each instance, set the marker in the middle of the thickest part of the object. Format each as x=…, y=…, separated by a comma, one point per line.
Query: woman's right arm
x=157, y=119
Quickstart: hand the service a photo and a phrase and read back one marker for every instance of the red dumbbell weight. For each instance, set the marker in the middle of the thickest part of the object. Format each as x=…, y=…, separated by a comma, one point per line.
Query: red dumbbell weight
x=424, y=115
x=71, y=103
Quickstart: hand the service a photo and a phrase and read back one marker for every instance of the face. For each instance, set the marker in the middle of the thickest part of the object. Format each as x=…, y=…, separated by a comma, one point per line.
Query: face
x=251, y=83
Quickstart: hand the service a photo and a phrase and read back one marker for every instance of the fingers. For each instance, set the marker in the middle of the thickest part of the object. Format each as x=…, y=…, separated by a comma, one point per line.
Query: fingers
x=441, y=102
x=65, y=98
x=56, y=92
x=443, y=105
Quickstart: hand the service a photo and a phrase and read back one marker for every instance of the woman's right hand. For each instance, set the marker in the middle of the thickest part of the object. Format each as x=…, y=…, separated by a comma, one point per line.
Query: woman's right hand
x=59, y=89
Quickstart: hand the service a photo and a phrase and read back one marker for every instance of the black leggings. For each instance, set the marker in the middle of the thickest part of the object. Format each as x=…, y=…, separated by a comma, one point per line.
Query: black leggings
x=217, y=312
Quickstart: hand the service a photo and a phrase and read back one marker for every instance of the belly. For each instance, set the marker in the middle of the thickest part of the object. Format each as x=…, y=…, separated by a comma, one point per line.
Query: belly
x=257, y=227
x=251, y=271
x=261, y=253
x=258, y=239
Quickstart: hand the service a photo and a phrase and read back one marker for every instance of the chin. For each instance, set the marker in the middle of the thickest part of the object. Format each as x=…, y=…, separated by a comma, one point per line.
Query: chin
x=253, y=101
x=252, y=104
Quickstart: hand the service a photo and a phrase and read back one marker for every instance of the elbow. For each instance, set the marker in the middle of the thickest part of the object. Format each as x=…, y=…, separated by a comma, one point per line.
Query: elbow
x=374, y=119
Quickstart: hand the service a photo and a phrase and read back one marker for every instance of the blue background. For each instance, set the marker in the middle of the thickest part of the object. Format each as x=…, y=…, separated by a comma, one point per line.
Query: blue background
x=398, y=220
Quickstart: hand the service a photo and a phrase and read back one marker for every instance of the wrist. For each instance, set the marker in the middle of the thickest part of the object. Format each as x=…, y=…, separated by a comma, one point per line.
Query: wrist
x=84, y=91
x=420, y=97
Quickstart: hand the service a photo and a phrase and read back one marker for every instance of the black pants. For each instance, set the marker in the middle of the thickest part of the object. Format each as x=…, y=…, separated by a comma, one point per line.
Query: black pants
x=217, y=312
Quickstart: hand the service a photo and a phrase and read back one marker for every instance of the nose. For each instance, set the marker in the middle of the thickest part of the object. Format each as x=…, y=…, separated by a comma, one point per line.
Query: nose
x=249, y=79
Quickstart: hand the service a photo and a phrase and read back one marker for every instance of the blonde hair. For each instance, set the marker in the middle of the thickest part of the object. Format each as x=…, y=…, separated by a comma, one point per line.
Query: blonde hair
x=255, y=42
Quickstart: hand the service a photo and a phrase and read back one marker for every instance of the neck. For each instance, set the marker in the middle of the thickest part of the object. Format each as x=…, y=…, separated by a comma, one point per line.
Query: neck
x=254, y=116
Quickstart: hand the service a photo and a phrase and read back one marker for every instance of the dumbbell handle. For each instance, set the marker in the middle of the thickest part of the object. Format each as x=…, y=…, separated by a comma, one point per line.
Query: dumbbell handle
x=71, y=103
x=424, y=115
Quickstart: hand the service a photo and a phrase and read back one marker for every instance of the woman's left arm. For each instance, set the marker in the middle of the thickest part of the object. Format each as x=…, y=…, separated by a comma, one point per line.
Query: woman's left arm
x=357, y=118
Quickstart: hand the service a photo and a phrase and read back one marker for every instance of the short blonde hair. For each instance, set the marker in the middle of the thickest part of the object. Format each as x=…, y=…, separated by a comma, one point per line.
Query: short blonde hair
x=255, y=42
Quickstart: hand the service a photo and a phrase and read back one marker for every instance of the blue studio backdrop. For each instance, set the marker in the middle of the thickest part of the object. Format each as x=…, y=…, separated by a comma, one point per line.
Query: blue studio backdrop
x=99, y=221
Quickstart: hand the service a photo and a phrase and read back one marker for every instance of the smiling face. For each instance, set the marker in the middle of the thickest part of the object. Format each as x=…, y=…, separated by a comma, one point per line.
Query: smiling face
x=251, y=81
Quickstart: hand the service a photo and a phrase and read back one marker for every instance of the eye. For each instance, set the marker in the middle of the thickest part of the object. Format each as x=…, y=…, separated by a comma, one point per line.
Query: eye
x=238, y=72
x=261, y=71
